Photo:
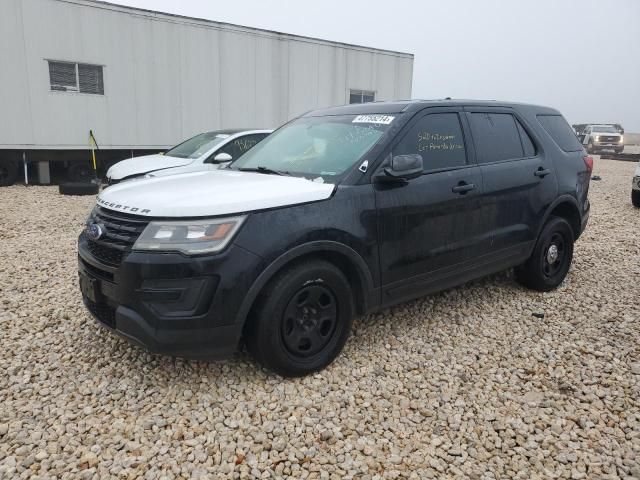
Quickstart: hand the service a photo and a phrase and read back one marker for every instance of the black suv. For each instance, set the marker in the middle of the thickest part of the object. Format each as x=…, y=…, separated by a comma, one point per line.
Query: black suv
x=340, y=212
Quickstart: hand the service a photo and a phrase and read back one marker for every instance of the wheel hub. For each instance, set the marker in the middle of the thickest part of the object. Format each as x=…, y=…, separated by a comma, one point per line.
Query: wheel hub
x=552, y=254
x=309, y=320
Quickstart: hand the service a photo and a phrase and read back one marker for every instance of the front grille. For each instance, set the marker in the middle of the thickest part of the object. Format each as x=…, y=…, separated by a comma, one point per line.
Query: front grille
x=608, y=139
x=121, y=232
x=103, y=312
x=97, y=272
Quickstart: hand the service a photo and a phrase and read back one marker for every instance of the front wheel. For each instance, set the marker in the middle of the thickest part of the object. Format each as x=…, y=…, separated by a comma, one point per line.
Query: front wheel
x=635, y=198
x=302, y=320
x=551, y=258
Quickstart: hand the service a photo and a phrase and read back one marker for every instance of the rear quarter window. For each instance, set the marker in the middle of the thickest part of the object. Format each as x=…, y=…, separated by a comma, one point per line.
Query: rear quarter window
x=561, y=132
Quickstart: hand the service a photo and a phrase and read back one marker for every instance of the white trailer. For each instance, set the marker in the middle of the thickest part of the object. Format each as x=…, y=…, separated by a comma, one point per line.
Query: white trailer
x=143, y=81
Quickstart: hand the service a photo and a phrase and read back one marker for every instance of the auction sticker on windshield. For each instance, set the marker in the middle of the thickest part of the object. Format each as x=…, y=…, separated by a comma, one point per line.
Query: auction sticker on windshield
x=380, y=119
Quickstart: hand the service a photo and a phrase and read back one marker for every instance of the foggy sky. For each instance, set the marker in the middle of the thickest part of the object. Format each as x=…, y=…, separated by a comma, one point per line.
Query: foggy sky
x=582, y=56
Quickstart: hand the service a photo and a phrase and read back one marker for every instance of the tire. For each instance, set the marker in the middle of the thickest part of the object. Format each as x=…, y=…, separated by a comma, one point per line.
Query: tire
x=80, y=172
x=8, y=173
x=635, y=198
x=538, y=272
x=287, y=331
x=79, y=188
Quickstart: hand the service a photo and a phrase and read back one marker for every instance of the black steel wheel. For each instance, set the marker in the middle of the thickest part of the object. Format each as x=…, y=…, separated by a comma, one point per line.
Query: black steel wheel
x=302, y=319
x=309, y=320
x=551, y=259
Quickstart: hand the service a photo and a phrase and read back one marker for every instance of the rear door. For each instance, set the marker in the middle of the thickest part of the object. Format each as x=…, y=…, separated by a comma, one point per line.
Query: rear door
x=431, y=224
x=519, y=180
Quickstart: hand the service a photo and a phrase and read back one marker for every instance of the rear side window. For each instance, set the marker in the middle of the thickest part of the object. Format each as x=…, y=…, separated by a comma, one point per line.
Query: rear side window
x=437, y=137
x=496, y=137
x=561, y=132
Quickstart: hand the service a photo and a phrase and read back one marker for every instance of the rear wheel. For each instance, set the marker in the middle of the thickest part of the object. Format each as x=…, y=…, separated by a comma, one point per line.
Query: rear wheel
x=302, y=320
x=8, y=172
x=635, y=198
x=551, y=258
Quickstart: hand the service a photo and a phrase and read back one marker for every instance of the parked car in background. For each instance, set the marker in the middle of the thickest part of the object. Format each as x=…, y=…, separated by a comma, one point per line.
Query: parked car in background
x=341, y=212
x=597, y=138
x=206, y=151
x=635, y=187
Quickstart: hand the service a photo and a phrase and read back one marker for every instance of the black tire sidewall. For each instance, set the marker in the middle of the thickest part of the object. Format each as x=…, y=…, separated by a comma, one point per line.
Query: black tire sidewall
x=635, y=198
x=264, y=335
x=76, y=188
x=533, y=273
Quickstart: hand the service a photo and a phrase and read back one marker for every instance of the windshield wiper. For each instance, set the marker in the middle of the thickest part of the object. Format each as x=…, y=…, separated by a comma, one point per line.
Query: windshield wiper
x=261, y=169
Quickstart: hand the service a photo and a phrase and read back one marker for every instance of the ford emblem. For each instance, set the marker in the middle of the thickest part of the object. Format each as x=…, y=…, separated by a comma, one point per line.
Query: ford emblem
x=94, y=231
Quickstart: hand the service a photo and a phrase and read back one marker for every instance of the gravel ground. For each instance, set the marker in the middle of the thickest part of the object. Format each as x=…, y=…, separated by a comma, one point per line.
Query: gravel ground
x=465, y=384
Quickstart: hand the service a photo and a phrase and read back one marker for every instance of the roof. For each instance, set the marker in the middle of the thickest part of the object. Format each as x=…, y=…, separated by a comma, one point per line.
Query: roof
x=157, y=15
x=399, y=106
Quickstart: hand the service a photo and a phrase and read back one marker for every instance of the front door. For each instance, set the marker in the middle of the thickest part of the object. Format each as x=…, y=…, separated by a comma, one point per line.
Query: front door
x=432, y=224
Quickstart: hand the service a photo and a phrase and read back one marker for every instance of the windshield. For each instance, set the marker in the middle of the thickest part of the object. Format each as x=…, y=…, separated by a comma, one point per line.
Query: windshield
x=197, y=146
x=605, y=130
x=315, y=147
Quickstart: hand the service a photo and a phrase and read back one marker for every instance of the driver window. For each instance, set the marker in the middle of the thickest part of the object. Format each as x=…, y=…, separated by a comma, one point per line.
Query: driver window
x=437, y=137
x=240, y=145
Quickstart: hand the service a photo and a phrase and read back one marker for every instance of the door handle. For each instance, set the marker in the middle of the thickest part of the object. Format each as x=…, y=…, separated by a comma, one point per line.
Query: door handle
x=463, y=187
x=542, y=172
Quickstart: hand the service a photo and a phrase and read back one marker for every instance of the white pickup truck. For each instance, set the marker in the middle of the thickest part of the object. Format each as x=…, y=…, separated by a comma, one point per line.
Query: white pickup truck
x=597, y=138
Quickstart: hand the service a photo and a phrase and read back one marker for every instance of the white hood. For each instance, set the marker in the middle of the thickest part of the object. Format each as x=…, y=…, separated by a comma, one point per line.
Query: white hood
x=145, y=164
x=212, y=193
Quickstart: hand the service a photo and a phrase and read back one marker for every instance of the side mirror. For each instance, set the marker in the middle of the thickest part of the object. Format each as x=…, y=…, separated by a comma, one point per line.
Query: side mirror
x=403, y=167
x=222, y=158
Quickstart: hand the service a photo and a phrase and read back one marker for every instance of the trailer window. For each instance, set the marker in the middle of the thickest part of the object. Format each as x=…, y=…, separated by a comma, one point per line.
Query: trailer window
x=361, y=96
x=76, y=77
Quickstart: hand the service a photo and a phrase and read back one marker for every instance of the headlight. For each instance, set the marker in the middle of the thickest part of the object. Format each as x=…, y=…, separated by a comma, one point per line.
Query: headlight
x=597, y=138
x=621, y=139
x=189, y=236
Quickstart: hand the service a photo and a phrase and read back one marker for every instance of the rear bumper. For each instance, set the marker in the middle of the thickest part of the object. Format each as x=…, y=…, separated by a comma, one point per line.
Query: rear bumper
x=170, y=303
x=585, y=216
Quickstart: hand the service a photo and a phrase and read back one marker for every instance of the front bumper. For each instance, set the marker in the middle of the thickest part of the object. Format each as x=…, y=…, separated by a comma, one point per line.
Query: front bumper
x=608, y=145
x=170, y=303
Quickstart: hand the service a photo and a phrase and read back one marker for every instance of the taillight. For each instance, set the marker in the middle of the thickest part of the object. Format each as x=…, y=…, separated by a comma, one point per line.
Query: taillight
x=588, y=161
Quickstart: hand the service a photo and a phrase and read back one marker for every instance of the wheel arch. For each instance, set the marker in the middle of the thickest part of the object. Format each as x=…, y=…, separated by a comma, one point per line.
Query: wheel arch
x=342, y=256
x=566, y=207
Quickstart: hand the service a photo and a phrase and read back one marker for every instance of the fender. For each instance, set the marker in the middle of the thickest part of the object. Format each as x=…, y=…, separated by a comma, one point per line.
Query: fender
x=561, y=199
x=369, y=293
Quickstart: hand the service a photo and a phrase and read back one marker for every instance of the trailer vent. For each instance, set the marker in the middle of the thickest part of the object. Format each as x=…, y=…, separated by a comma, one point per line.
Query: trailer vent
x=76, y=77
